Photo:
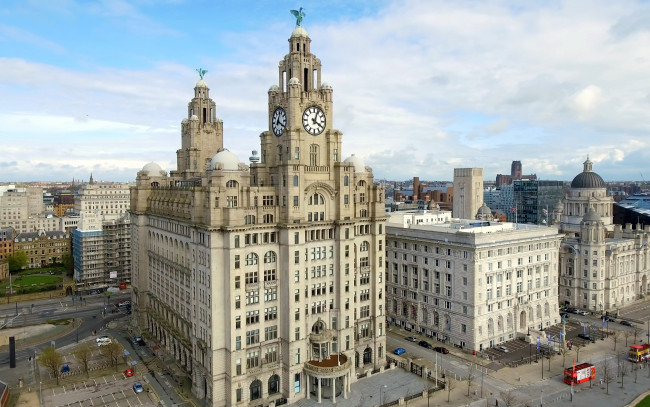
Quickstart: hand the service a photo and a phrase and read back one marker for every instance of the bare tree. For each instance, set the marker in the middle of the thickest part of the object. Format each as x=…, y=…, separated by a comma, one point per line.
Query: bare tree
x=616, y=335
x=509, y=398
x=449, y=385
x=564, y=351
x=623, y=370
x=577, y=346
x=637, y=332
x=470, y=378
x=626, y=335
x=112, y=351
x=52, y=360
x=636, y=371
x=83, y=353
x=607, y=374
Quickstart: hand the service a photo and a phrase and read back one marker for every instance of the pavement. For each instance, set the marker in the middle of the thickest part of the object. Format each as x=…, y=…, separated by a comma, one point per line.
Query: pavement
x=533, y=384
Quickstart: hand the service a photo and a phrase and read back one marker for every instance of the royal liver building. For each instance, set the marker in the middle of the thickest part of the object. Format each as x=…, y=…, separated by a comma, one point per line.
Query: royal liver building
x=263, y=281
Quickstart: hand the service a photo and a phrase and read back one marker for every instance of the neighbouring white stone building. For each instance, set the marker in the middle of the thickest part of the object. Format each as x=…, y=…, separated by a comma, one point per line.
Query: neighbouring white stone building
x=470, y=283
x=603, y=266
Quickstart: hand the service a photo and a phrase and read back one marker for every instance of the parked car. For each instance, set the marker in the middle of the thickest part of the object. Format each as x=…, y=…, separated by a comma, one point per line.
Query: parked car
x=564, y=315
x=406, y=328
x=502, y=349
x=582, y=312
x=65, y=369
x=441, y=349
x=138, y=340
x=626, y=323
x=425, y=344
x=103, y=340
x=608, y=318
x=399, y=351
x=411, y=339
x=586, y=337
x=137, y=387
x=128, y=372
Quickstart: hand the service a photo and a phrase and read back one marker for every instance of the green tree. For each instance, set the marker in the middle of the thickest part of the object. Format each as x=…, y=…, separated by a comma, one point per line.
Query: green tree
x=68, y=264
x=17, y=261
x=83, y=353
x=112, y=351
x=51, y=360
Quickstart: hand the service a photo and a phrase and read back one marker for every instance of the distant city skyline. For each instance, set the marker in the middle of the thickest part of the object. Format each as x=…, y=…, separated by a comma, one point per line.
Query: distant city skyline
x=420, y=87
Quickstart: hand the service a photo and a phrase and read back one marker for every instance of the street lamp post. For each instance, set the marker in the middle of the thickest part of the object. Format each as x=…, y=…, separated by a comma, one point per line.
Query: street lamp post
x=381, y=395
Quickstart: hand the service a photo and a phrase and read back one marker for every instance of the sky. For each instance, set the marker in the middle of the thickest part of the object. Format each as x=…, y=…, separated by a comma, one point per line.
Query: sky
x=420, y=87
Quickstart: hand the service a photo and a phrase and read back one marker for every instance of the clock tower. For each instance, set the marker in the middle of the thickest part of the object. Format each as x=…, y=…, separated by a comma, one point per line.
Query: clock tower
x=301, y=139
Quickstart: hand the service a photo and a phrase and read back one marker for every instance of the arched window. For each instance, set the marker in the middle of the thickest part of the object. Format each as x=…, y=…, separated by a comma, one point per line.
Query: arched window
x=490, y=327
x=346, y=181
x=364, y=247
x=267, y=218
x=318, y=327
x=361, y=183
x=231, y=184
x=249, y=219
x=270, y=257
x=251, y=259
x=256, y=390
x=274, y=384
x=436, y=318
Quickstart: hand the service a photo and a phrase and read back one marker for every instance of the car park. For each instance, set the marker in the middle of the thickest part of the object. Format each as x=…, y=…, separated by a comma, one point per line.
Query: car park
x=128, y=372
x=137, y=387
x=425, y=344
x=502, y=349
x=626, y=323
x=441, y=349
x=411, y=339
x=399, y=351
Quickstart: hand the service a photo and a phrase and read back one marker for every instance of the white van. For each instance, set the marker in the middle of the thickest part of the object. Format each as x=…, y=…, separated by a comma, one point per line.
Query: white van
x=103, y=340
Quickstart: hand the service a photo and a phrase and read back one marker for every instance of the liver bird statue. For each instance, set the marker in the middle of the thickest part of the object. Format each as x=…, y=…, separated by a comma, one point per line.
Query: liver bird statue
x=201, y=72
x=299, y=14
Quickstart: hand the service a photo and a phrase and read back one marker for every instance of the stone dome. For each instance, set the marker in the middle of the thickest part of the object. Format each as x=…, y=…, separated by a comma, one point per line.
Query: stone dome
x=294, y=81
x=184, y=121
x=484, y=210
x=152, y=169
x=588, y=179
x=358, y=163
x=274, y=88
x=326, y=86
x=201, y=84
x=194, y=118
x=591, y=216
x=224, y=160
x=299, y=32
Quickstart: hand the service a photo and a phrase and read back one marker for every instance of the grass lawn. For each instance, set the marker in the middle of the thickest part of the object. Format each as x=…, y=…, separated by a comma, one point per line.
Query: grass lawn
x=31, y=283
x=645, y=402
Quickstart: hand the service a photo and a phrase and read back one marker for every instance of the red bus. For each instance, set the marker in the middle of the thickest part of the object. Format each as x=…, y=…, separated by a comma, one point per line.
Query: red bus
x=580, y=374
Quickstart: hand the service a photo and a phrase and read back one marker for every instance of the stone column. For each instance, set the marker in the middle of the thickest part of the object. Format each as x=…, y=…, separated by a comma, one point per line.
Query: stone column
x=345, y=386
x=334, y=390
x=319, y=389
x=308, y=379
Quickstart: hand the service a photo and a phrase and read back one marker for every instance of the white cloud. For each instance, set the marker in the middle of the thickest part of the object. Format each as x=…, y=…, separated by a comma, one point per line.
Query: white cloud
x=419, y=88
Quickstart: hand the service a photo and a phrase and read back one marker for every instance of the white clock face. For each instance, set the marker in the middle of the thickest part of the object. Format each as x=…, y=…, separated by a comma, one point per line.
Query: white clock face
x=313, y=120
x=279, y=121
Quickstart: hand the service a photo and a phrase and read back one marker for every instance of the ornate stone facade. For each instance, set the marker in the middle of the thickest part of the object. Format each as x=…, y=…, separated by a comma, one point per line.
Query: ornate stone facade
x=256, y=278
